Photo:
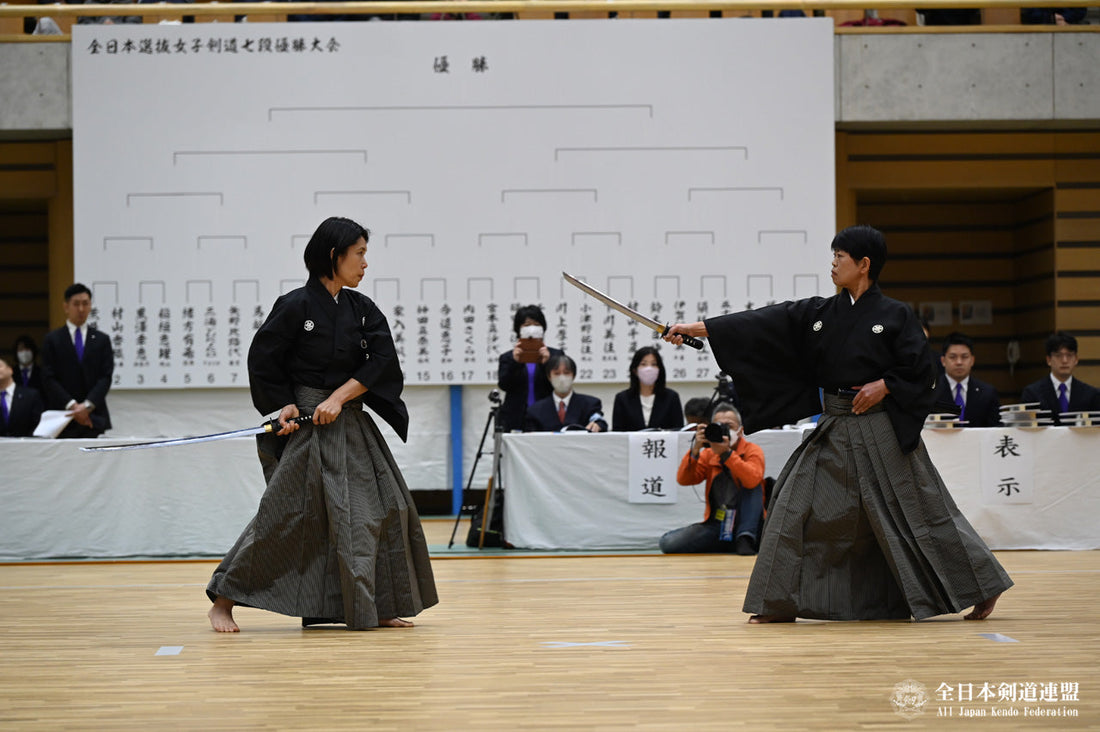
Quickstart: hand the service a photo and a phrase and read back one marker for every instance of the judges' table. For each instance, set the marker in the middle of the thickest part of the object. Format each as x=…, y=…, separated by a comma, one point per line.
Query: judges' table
x=569, y=491
x=60, y=502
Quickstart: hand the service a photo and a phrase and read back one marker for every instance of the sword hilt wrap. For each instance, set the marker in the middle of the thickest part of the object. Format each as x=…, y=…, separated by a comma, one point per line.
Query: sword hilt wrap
x=272, y=425
x=688, y=340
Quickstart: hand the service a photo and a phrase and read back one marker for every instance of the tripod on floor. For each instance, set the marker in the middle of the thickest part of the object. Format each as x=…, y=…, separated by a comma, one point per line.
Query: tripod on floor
x=493, y=422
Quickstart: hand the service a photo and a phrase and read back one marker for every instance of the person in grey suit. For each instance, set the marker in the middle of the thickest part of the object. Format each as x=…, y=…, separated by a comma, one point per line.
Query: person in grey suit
x=77, y=365
x=1059, y=391
x=978, y=402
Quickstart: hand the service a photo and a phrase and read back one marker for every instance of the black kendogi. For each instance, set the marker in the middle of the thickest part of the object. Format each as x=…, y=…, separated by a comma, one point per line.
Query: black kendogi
x=861, y=525
x=336, y=537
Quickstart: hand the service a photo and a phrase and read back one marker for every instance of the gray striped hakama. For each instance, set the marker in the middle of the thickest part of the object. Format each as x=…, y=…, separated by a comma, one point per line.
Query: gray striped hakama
x=859, y=530
x=336, y=537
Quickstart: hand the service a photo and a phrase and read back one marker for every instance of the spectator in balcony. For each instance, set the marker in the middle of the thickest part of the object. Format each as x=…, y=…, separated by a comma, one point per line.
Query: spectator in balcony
x=1052, y=16
x=952, y=16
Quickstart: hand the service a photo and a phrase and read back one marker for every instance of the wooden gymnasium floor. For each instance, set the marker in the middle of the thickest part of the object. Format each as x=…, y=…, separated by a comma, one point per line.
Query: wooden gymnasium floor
x=542, y=643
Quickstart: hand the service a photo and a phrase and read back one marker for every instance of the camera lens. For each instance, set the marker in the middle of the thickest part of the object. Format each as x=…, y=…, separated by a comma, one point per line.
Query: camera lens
x=716, y=431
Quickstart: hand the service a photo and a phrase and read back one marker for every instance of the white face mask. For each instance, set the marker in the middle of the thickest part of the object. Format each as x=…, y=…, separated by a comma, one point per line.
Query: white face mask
x=531, y=331
x=25, y=357
x=562, y=383
x=648, y=374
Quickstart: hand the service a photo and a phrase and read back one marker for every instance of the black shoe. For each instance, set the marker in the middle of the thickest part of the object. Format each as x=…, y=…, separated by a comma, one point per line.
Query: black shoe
x=745, y=546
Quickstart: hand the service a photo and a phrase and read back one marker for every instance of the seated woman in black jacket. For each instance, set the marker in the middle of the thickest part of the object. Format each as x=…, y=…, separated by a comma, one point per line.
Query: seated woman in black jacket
x=648, y=403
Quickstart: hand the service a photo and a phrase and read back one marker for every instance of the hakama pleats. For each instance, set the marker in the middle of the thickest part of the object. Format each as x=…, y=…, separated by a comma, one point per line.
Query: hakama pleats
x=860, y=530
x=336, y=537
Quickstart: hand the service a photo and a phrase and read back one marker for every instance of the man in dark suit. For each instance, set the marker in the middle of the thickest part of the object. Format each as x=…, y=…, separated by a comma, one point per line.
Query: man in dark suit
x=978, y=402
x=20, y=406
x=565, y=407
x=27, y=370
x=1058, y=391
x=77, y=364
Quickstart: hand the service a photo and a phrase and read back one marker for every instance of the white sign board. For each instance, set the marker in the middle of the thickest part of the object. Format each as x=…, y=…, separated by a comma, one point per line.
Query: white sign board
x=685, y=166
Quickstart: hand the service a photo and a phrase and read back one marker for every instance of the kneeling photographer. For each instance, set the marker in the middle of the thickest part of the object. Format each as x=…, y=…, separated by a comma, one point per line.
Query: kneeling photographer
x=733, y=469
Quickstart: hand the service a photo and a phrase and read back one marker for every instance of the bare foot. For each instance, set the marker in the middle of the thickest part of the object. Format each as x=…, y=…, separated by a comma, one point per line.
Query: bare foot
x=982, y=610
x=394, y=623
x=221, y=616
x=758, y=619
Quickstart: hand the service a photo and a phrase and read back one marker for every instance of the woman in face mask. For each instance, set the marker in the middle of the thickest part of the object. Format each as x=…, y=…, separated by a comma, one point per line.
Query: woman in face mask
x=27, y=371
x=648, y=403
x=521, y=375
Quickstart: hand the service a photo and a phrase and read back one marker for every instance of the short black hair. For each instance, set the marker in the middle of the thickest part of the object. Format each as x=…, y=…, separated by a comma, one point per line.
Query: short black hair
x=27, y=342
x=557, y=359
x=10, y=360
x=534, y=312
x=958, y=339
x=635, y=385
x=697, y=407
x=74, y=289
x=332, y=240
x=1059, y=340
x=863, y=241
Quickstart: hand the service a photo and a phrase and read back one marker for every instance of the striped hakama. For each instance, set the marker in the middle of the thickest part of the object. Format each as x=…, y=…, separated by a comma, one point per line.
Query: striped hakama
x=336, y=537
x=859, y=530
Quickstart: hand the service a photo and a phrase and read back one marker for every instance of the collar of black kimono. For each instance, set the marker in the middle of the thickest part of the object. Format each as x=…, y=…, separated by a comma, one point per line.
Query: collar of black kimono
x=317, y=288
x=872, y=290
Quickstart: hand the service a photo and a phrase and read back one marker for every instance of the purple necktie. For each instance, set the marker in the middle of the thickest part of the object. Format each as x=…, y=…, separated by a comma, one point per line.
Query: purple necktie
x=530, y=384
x=960, y=402
x=78, y=343
x=26, y=377
x=1063, y=402
x=4, y=406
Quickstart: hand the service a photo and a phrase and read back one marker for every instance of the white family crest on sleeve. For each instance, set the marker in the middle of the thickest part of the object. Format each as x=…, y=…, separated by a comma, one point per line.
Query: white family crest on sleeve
x=877, y=328
x=817, y=326
x=308, y=325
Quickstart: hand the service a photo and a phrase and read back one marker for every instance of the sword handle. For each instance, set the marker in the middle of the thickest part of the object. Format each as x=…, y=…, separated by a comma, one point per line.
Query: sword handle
x=688, y=340
x=272, y=425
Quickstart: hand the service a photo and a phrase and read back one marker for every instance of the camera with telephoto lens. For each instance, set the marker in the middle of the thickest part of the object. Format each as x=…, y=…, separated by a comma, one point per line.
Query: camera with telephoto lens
x=716, y=432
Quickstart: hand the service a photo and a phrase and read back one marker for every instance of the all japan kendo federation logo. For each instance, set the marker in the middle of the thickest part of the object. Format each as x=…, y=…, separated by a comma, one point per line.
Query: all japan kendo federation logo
x=817, y=326
x=877, y=328
x=909, y=698
x=308, y=325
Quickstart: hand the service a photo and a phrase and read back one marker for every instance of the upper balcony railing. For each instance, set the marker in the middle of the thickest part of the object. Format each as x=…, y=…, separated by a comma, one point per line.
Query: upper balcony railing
x=849, y=15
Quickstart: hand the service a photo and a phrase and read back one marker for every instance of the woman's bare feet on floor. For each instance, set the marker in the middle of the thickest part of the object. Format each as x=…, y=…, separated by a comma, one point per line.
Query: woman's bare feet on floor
x=221, y=616
x=983, y=609
x=759, y=619
x=394, y=623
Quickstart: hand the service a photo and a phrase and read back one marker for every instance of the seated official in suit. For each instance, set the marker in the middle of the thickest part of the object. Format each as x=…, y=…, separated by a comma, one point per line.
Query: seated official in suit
x=27, y=370
x=521, y=374
x=77, y=364
x=20, y=406
x=1059, y=391
x=734, y=472
x=648, y=403
x=978, y=402
x=564, y=408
